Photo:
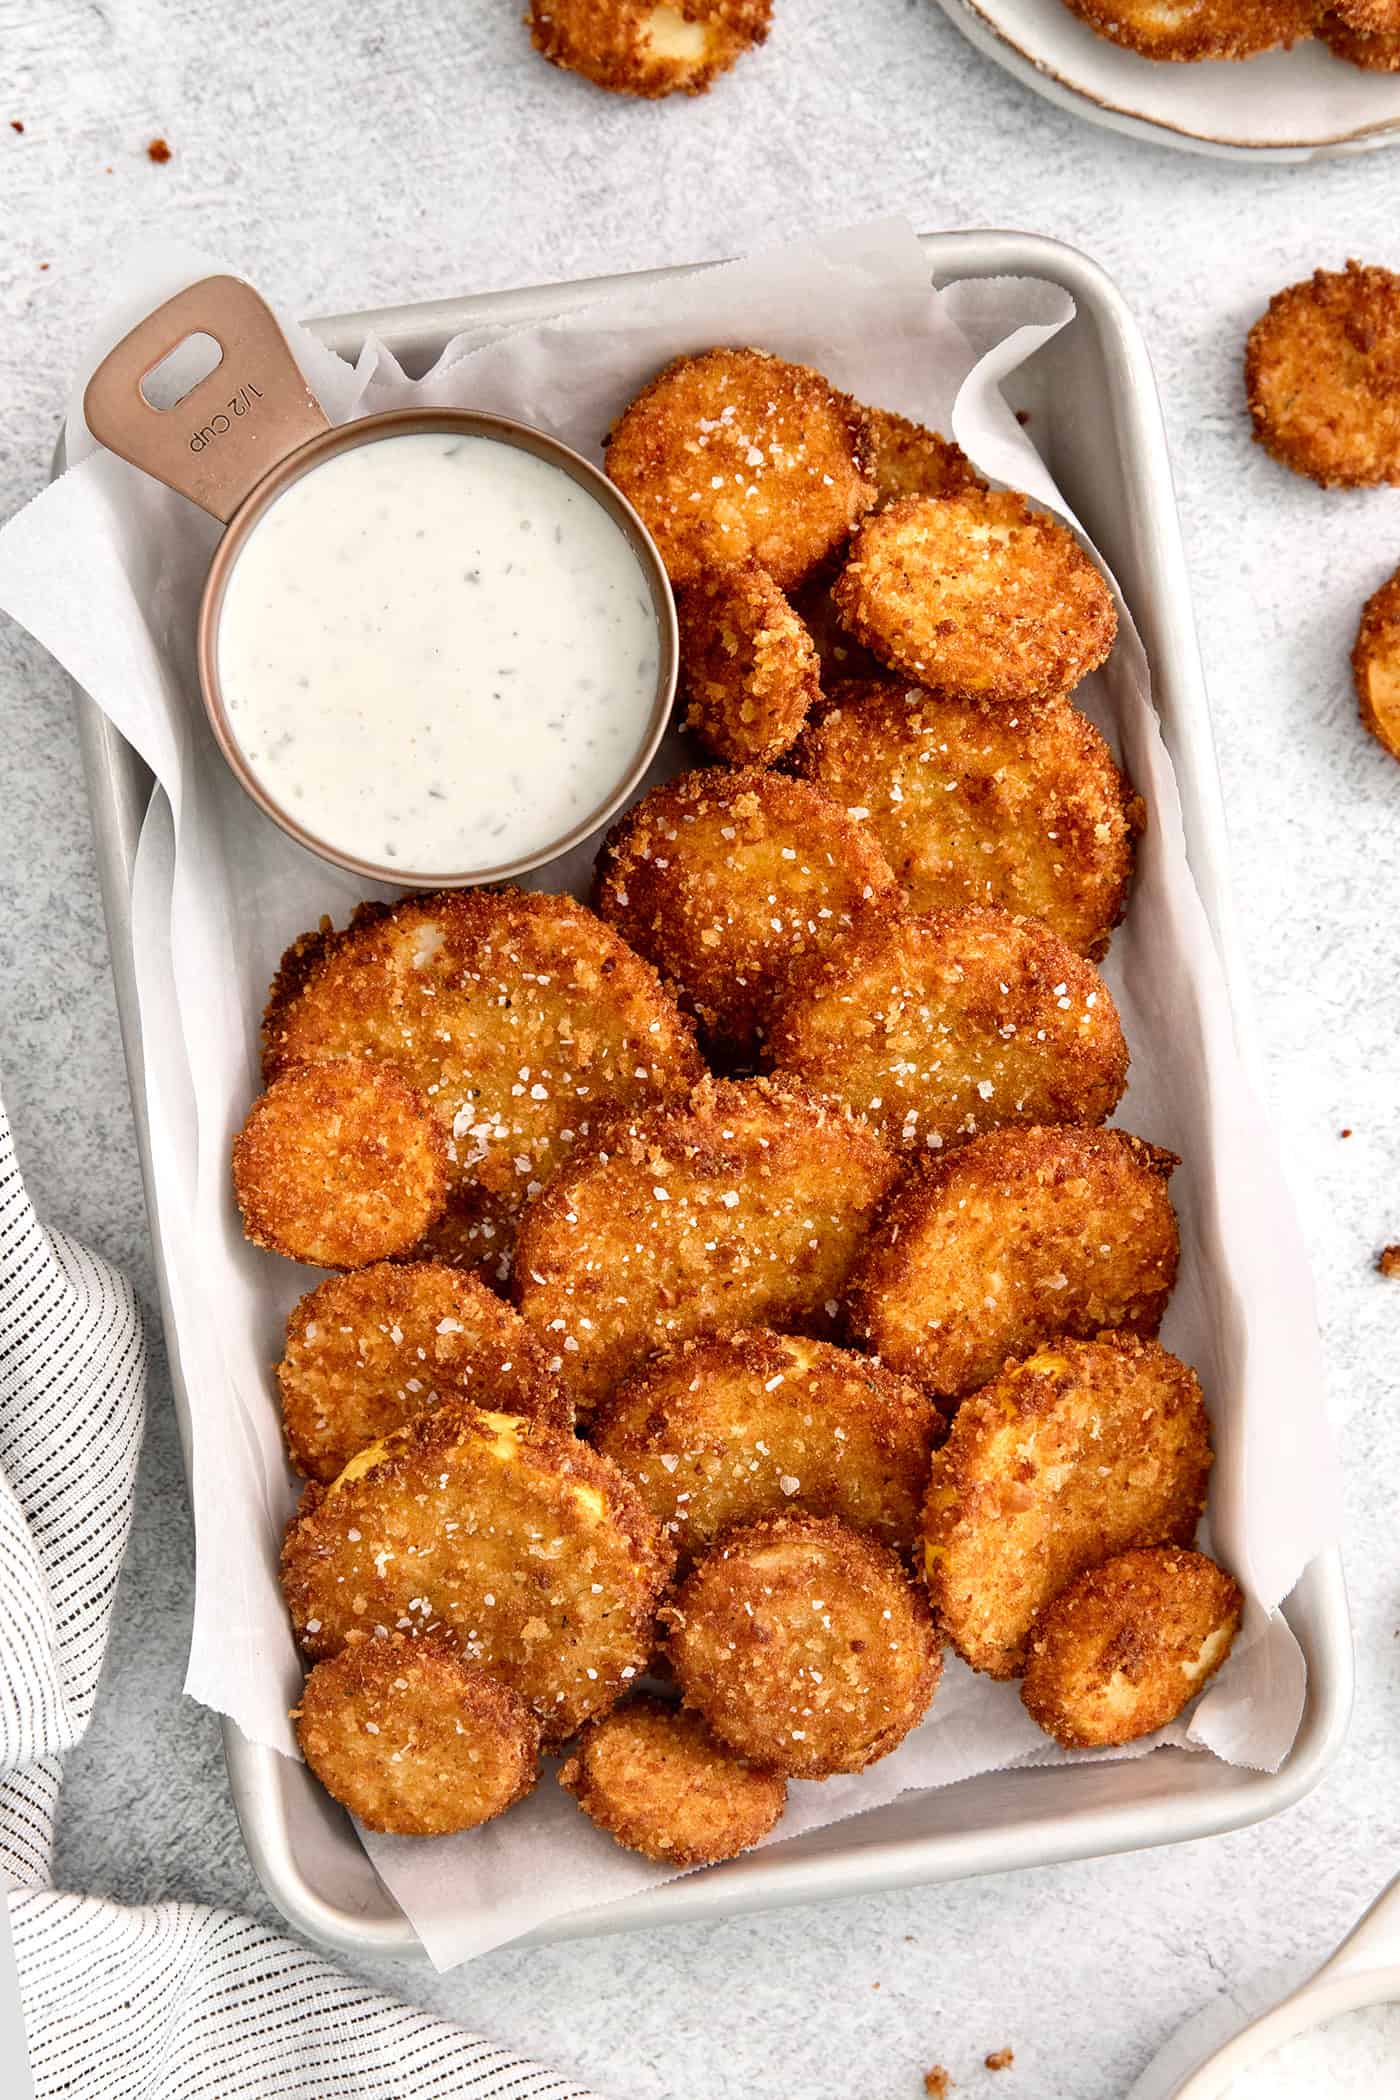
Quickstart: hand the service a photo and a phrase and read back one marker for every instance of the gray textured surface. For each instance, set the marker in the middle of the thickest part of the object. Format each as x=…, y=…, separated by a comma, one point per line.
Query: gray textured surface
x=346, y=154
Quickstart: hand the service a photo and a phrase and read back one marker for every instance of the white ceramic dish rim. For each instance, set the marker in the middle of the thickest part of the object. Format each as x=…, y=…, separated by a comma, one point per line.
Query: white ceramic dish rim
x=1166, y=1798
x=1038, y=74
x=1364, y=1970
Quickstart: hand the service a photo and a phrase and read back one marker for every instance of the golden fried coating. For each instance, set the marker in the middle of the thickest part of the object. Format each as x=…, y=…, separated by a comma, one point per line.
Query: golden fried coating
x=724, y=1430
x=366, y=1351
x=975, y=804
x=1082, y=1451
x=1375, y=51
x=1375, y=665
x=839, y=654
x=1368, y=17
x=978, y=595
x=520, y=1017
x=735, y=453
x=744, y=1207
x=338, y=1166
x=804, y=1646
x=1020, y=1236
x=1120, y=1652
x=640, y=47
x=749, y=668
x=937, y=1026
x=528, y=1547
x=655, y=1779
x=1186, y=30
x=412, y=1738
x=725, y=879
x=1322, y=374
x=908, y=459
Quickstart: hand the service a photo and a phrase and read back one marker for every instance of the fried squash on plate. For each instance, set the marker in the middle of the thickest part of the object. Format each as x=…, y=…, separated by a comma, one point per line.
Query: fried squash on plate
x=1189, y=30
x=1322, y=375
x=749, y=669
x=653, y=1777
x=1121, y=1651
x=1010, y=1241
x=1080, y=1452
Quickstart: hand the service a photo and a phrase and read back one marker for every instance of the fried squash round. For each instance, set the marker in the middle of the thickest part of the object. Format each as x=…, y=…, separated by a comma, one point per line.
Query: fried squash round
x=975, y=804
x=1188, y=30
x=804, y=1646
x=1009, y=1241
x=367, y=1351
x=724, y=880
x=1375, y=665
x=727, y=1429
x=654, y=1778
x=527, y=1547
x=1084, y=1450
x=1375, y=51
x=735, y=453
x=1322, y=374
x=519, y=1016
x=338, y=1166
x=413, y=1739
x=1368, y=17
x=908, y=459
x=1119, y=1653
x=744, y=1207
x=749, y=668
x=637, y=47
x=978, y=595
x=937, y=1026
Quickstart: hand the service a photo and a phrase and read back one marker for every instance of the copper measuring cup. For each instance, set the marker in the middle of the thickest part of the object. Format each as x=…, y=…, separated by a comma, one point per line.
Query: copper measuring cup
x=243, y=433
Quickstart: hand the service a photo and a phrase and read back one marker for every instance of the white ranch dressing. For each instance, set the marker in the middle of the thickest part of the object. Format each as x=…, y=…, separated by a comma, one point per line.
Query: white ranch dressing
x=1355, y=2056
x=438, y=652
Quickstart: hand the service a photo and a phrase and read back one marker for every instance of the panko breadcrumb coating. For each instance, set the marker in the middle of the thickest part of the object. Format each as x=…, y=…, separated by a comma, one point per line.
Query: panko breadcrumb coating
x=727, y=1429
x=975, y=804
x=413, y=1739
x=1084, y=1450
x=1119, y=1653
x=804, y=1646
x=1375, y=51
x=1322, y=373
x=1188, y=30
x=735, y=453
x=530, y=1549
x=978, y=595
x=520, y=1017
x=1375, y=665
x=637, y=47
x=367, y=1351
x=908, y=459
x=1009, y=1241
x=749, y=668
x=654, y=1778
x=744, y=1207
x=725, y=879
x=937, y=1026
x=339, y=1165
x=1369, y=17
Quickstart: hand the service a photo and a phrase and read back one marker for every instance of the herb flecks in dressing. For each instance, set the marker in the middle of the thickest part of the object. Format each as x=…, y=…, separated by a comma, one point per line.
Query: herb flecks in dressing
x=438, y=652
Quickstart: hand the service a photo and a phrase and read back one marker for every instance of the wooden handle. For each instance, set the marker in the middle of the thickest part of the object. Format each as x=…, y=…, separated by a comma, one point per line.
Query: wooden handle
x=234, y=425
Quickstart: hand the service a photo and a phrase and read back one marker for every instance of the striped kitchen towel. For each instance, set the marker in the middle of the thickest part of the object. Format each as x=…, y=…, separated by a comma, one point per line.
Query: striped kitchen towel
x=173, y=2001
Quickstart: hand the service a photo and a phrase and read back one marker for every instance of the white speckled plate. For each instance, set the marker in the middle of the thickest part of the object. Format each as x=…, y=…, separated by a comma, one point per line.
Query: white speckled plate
x=1285, y=105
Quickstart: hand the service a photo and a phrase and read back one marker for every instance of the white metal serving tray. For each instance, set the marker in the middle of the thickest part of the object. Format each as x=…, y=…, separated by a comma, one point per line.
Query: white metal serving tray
x=1105, y=445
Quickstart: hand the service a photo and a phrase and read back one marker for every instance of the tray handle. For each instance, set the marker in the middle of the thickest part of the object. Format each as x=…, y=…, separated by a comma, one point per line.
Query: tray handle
x=217, y=442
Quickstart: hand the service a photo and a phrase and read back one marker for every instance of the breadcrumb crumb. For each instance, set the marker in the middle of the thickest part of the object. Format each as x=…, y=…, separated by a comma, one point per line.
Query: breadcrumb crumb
x=1388, y=1261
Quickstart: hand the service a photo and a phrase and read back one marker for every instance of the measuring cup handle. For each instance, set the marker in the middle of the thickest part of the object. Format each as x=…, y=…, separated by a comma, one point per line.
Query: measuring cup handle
x=234, y=425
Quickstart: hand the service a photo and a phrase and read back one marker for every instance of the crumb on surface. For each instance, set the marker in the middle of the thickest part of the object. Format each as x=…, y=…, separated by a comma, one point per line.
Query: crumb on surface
x=1388, y=1261
x=937, y=2082
x=158, y=151
x=15, y=124
x=1000, y=2059
x=1346, y=1133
